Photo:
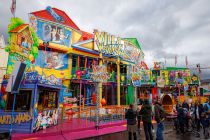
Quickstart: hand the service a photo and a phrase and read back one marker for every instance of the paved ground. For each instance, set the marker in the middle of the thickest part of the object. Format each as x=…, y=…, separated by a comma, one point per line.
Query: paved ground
x=169, y=134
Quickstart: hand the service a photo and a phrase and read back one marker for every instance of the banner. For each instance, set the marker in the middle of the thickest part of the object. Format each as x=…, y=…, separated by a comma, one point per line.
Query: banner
x=99, y=74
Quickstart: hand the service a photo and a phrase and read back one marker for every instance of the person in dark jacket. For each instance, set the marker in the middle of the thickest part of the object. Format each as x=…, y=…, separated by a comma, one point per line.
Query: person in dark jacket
x=139, y=119
x=131, y=117
x=186, y=107
x=146, y=112
x=198, y=112
x=180, y=117
x=159, y=117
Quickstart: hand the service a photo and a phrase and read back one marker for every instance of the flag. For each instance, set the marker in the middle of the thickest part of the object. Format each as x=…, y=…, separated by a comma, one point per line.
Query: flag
x=13, y=7
x=186, y=61
x=175, y=60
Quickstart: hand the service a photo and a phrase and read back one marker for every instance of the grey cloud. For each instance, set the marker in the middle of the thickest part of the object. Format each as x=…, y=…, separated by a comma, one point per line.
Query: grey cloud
x=164, y=27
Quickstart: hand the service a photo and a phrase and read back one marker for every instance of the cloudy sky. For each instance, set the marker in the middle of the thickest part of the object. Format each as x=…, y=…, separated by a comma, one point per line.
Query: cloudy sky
x=164, y=28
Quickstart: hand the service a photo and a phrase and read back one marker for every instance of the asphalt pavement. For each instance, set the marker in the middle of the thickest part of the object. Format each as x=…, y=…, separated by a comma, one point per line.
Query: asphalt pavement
x=169, y=134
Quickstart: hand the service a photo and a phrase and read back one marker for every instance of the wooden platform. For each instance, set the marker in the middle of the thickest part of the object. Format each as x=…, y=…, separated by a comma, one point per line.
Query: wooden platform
x=74, y=129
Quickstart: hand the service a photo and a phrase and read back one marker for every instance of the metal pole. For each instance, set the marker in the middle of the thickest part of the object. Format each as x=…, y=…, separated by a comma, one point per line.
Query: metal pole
x=97, y=105
x=13, y=107
x=80, y=94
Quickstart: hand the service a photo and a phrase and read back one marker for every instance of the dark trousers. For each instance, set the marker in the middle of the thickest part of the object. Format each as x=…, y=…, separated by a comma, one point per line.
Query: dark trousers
x=148, y=130
x=139, y=122
x=186, y=120
x=130, y=136
x=198, y=124
x=181, y=126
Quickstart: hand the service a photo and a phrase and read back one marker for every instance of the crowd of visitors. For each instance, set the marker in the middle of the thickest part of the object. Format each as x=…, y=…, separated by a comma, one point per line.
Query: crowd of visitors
x=189, y=116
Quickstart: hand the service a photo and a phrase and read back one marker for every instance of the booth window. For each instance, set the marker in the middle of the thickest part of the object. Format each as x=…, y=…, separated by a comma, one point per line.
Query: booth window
x=22, y=102
x=47, y=100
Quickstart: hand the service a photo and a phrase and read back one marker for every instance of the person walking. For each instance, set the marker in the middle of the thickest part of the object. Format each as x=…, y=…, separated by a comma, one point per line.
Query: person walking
x=139, y=119
x=146, y=112
x=186, y=109
x=131, y=117
x=197, y=113
x=180, y=118
x=159, y=117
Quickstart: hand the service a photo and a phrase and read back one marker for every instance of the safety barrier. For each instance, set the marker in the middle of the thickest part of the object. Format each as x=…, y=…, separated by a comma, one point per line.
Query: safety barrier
x=106, y=113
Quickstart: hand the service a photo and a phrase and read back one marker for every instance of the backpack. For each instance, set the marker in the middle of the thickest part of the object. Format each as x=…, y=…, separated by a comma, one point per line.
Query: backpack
x=185, y=113
x=206, y=108
x=162, y=113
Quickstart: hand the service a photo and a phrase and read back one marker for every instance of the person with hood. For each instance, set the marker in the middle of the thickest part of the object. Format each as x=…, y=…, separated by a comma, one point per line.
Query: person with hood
x=131, y=117
x=159, y=117
x=146, y=112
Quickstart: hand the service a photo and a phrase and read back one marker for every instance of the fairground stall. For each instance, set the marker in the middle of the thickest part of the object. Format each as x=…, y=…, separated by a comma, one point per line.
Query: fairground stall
x=41, y=91
x=175, y=84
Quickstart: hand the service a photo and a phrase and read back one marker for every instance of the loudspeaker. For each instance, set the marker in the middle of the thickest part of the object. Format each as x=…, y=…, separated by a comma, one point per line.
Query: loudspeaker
x=16, y=77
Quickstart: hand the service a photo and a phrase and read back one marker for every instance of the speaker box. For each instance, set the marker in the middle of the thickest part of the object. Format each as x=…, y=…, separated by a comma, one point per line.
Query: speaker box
x=16, y=77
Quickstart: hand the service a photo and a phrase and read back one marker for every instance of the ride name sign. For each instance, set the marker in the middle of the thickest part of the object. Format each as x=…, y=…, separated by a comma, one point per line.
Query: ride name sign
x=108, y=44
x=99, y=74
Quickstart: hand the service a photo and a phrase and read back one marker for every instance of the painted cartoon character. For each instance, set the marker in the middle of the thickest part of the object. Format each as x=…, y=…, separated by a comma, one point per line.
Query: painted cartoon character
x=38, y=122
x=55, y=117
x=24, y=42
x=53, y=33
x=44, y=121
x=63, y=37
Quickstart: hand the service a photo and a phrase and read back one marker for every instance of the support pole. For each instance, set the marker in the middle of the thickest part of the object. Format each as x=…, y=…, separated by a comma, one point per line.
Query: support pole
x=118, y=81
x=100, y=83
x=80, y=97
x=97, y=104
x=135, y=98
x=13, y=106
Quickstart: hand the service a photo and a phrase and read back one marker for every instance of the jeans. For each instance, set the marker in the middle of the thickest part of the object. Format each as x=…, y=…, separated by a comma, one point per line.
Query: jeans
x=148, y=130
x=159, y=133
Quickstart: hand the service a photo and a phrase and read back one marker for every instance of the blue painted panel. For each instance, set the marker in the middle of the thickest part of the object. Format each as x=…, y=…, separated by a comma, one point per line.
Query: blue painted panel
x=52, y=60
x=23, y=127
x=53, y=33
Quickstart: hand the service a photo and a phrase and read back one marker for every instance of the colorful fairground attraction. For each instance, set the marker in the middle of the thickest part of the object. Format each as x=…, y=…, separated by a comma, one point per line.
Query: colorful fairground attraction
x=60, y=78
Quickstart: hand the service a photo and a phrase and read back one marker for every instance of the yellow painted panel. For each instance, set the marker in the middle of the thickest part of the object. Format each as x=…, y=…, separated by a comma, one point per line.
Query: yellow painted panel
x=89, y=45
x=57, y=73
x=73, y=51
x=56, y=46
x=75, y=36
